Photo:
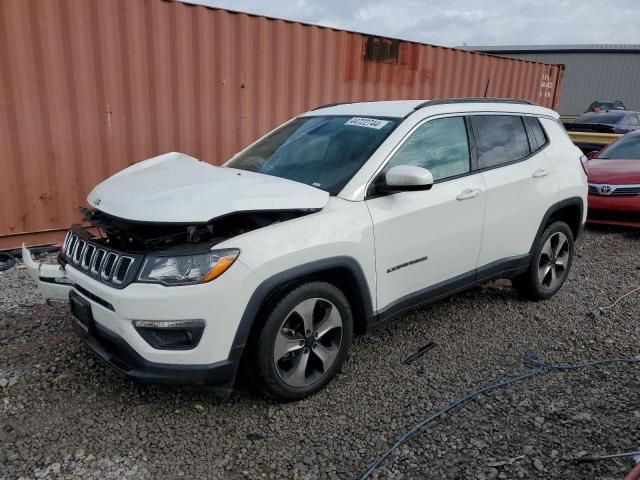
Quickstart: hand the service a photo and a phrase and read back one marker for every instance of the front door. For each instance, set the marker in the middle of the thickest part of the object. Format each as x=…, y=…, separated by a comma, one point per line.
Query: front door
x=425, y=238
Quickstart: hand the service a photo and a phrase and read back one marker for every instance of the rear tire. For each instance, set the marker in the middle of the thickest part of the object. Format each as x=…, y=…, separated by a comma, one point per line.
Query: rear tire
x=550, y=264
x=304, y=341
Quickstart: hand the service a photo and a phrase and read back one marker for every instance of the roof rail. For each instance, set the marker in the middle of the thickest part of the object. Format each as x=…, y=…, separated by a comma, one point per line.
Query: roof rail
x=327, y=105
x=448, y=101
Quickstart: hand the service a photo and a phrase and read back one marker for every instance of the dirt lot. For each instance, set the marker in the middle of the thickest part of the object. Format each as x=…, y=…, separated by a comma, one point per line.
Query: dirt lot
x=63, y=415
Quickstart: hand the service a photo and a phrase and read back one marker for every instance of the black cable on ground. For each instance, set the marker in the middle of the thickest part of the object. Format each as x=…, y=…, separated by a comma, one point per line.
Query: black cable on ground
x=7, y=261
x=529, y=358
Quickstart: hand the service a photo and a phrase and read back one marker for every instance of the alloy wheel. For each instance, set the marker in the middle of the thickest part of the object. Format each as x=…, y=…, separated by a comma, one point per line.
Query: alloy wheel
x=554, y=260
x=308, y=342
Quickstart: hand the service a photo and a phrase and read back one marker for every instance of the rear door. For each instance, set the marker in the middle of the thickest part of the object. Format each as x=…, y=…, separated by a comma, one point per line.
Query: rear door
x=424, y=238
x=520, y=179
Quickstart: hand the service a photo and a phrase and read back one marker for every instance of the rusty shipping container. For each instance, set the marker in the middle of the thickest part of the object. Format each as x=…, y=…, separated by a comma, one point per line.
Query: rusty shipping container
x=88, y=87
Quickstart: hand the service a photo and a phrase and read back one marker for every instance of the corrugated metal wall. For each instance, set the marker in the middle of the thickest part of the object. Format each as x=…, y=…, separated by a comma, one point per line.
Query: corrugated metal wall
x=88, y=87
x=593, y=76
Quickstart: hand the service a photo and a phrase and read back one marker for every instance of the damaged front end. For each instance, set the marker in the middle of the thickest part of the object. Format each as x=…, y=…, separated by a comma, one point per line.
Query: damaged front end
x=125, y=251
x=160, y=221
x=137, y=236
x=51, y=279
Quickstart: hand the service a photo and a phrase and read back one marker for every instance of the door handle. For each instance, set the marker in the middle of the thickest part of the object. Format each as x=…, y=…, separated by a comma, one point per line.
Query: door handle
x=468, y=193
x=541, y=172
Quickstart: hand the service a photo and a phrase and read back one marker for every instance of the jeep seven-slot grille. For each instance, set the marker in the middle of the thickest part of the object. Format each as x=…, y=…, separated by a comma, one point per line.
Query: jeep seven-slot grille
x=98, y=261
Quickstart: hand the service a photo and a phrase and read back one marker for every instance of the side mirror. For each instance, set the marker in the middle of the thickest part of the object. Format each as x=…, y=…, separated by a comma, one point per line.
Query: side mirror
x=402, y=178
x=593, y=154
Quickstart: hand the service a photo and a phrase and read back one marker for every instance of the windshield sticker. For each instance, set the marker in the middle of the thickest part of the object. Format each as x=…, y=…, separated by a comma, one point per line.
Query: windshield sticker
x=366, y=122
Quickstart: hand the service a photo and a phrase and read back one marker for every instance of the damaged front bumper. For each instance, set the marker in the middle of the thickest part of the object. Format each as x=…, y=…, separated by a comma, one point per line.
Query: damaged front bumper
x=52, y=281
x=112, y=335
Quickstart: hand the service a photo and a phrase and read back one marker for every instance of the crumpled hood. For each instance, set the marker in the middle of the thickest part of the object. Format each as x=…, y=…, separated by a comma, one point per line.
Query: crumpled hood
x=178, y=188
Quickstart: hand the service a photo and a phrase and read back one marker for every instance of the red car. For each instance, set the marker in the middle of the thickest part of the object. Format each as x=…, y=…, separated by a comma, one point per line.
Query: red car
x=614, y=183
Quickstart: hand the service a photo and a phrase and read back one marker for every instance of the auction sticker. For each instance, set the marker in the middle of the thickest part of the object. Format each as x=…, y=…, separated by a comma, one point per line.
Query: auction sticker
x=366, y=122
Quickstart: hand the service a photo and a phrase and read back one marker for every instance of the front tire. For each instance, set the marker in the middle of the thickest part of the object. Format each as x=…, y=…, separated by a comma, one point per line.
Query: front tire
x=550, y=265
x=304, y=341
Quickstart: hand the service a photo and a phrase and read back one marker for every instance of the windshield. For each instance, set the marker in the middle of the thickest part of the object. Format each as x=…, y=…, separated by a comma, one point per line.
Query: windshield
x=324, y=151
x=627, y=148
x=608, y=118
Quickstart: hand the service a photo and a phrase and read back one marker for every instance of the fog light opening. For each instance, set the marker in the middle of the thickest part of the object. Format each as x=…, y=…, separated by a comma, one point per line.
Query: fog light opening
x=171, y=334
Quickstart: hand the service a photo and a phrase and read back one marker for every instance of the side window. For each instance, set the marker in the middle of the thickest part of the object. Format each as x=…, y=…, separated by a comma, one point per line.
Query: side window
x=440, y=145
x=499, y=139
x=633, y=120
x=537, y=137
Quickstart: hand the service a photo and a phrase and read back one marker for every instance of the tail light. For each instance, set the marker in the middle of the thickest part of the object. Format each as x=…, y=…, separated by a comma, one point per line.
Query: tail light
x=583, y=162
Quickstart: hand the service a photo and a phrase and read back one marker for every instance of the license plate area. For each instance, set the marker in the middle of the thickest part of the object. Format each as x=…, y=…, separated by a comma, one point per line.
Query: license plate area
x=81, y=312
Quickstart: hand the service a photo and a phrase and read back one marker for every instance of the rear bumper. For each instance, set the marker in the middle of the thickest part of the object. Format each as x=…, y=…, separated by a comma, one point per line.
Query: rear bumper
x=119, y=355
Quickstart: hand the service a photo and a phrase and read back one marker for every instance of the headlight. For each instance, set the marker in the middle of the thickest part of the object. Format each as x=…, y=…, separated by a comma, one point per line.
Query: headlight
x=187, y=269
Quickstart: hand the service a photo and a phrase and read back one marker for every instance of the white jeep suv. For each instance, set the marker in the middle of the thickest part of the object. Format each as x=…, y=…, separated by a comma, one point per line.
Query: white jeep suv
x=328, y=226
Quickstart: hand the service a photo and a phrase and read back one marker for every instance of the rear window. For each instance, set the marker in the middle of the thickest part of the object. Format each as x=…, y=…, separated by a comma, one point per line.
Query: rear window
x=499, y=139
x=606, y=118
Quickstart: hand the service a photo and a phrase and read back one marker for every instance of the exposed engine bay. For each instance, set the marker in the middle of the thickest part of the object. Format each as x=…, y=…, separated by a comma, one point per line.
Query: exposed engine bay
x=136, y=236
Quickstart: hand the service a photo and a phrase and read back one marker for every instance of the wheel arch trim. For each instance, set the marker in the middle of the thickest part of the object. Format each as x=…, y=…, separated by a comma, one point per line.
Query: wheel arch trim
x=568, y=202
x=269, y=285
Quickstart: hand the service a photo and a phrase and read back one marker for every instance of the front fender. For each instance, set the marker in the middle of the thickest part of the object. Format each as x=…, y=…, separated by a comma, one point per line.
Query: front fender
x=270, y=284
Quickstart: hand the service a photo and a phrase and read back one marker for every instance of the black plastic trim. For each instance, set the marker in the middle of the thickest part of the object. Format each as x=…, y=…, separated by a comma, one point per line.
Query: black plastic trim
x=471, y=140
x=269, y=285
x=328, y=105
x=527, y=129
x=504, y=268
x=568, y=202
x=450, y=101
x=424, y=296
x=193, y=327
x=601, y=215
x=93, y=297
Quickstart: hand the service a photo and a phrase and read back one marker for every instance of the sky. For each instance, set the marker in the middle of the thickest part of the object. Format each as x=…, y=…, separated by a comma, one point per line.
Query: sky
x=458, y=22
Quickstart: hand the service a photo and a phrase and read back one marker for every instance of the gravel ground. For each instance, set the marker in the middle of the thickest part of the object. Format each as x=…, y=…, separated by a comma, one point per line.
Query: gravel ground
x=64, y=415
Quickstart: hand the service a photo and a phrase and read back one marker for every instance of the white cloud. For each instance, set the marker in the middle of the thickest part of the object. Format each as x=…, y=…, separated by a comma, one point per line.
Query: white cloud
x=454, y=22
x=467, y=15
